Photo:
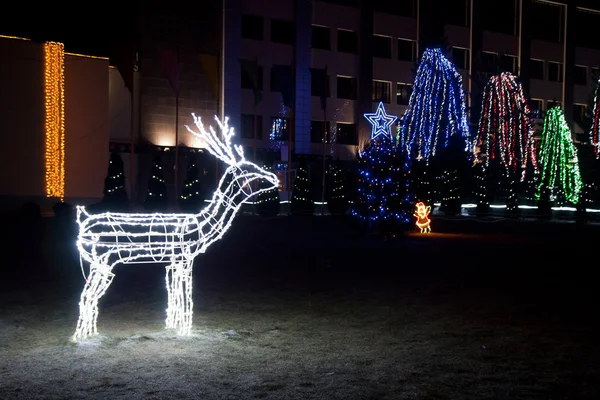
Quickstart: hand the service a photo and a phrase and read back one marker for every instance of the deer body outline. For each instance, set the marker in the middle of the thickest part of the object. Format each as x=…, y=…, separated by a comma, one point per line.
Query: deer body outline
x=107, y=239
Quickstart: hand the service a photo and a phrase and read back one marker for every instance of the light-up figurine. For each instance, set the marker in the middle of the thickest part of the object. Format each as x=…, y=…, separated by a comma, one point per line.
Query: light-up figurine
x=422, y=214
x=175, y=239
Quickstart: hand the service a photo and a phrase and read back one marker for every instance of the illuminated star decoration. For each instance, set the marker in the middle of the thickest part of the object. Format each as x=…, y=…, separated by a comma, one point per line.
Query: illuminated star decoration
x=381, y=122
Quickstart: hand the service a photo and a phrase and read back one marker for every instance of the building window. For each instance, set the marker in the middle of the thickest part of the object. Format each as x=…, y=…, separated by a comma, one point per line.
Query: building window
x=346, y=88
x=382, y=46
x=553, y=15
x=275, y=84
x=407, y=50
x=247, y=80
x=595, y=73
x=382, y=91
x=252, y=27
x=346, y=134
x=283, y=31
x=489, y=61
x=247, y=126
x=580, y=75
x=403, y=92
x=579, y=111
x=460, y=57
x=280, y=129
x=316, y=132
x=509, y=63
x=537, y=107
x=347, y=41
x=555, y=73
x=537, y=69
x=320, y=38
x=316, y=87
x=456, y=12
x=404, y=8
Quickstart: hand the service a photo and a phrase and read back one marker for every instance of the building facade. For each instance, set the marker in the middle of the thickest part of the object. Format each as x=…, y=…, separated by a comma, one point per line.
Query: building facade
x=54, y=124
x=371, y=53
x=257, y=61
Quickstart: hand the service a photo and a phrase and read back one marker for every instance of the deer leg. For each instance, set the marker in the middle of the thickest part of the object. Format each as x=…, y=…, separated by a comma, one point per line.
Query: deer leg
x=179, y=290
x=97, y=283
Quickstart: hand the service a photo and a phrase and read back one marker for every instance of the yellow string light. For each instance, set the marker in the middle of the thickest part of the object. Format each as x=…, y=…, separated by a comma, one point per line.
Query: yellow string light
x=54, y=86
x=86, y=56
x=13, y=37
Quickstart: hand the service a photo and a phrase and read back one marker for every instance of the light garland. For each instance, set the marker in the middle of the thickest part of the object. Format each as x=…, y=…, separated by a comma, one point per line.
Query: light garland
x=108, y=239
x=560, y=178
x=422, y=214
x=54, y=88
x=505, y=126
x=505, y=134
x=436, y=109
x=301, y=197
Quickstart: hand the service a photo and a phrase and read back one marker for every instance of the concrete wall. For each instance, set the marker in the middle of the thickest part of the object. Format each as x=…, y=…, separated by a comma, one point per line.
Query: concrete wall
x=87, y=127
x=119, y=107
x=158, y=102
x=22, y=119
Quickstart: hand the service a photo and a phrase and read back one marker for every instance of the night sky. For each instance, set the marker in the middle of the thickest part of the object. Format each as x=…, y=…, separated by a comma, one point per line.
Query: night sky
x=92, y=33
x=97, y=30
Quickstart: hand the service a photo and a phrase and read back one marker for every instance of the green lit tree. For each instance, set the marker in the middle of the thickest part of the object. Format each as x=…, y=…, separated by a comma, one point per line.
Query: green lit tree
x=192, y=195
x=268, y=202
x=559, y=179
x=337, y=203
x=115, y=196
x=156, y=198
x=301, y=197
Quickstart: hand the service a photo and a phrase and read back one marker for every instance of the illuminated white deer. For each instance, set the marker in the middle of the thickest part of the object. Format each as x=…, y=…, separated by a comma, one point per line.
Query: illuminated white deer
x=108, y=239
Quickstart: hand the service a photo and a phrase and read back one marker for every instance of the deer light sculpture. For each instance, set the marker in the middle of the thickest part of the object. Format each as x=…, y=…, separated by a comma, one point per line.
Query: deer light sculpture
x=107, y=239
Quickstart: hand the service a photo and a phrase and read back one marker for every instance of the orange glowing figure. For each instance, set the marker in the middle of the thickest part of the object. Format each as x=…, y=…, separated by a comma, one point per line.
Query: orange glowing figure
x=422, y=215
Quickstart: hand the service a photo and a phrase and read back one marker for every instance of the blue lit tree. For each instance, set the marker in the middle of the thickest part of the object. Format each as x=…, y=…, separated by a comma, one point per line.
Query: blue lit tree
x=384, y=202
x=435, y=124
x=436, y=109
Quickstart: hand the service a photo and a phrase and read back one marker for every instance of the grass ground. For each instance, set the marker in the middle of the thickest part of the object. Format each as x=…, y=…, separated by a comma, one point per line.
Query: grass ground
x=306, y=308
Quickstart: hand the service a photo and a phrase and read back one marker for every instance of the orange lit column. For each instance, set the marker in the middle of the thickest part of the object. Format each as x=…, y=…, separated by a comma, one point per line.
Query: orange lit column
x=54, y=86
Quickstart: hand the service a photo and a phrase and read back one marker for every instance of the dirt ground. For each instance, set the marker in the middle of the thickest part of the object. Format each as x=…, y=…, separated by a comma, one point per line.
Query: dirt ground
x=307, y=308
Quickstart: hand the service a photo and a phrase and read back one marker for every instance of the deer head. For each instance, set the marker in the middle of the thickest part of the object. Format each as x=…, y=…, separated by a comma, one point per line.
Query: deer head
x=243, y=173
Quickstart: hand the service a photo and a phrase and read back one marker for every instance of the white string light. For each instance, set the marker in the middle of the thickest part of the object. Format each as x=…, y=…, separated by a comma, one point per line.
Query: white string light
x=108, y=239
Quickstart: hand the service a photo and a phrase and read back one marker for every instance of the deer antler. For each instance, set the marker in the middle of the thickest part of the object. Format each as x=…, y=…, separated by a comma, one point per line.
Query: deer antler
x=222, y=149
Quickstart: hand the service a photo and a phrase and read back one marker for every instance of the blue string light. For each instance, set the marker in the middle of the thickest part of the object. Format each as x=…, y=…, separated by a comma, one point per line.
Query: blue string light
x=383, y=190
x=436, y=109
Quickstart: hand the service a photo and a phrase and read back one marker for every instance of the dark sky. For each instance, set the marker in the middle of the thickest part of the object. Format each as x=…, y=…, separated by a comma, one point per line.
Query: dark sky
x=94, y=33
x=97, y=30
